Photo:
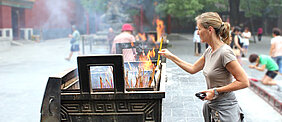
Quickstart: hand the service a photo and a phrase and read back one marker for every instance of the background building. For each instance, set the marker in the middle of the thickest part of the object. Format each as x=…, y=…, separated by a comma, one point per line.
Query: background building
x=20, y=19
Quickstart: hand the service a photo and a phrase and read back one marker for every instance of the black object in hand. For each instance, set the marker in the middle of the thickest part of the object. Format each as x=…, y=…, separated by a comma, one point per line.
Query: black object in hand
x=201, y=95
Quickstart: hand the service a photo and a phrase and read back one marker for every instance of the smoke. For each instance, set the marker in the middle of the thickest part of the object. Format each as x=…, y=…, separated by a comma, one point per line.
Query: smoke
x=57, y=10
x=56, y=19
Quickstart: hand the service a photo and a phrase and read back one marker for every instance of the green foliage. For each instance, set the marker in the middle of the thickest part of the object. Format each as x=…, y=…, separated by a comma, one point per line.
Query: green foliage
x=190, y=8
x=214, y=5
x=179, y=8
x=97, y=6
x=259, y=8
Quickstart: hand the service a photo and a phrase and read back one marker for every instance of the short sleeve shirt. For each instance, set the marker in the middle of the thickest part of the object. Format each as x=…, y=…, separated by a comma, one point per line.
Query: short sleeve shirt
x=277, y=42
x=214, y=69
x=128, y=54
x=76, y=36
x=268, y=62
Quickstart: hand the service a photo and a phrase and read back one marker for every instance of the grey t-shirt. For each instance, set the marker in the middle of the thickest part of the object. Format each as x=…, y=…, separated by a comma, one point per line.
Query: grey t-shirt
x=214, y=69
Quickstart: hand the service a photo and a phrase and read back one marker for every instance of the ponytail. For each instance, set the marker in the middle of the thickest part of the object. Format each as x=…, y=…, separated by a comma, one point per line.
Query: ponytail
x=224, y=32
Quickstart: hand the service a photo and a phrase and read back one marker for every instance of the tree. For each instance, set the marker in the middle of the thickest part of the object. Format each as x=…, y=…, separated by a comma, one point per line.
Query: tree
x=234, y=12
x=262, y=10
x=189, y=8
x=95, y=6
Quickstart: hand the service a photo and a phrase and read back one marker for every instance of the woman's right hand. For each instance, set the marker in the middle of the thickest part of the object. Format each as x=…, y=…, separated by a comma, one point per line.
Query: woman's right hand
x=166, y=53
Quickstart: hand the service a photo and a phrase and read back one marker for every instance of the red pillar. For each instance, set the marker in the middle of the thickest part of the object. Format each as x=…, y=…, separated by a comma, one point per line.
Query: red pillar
x=5, y=17
x=168, y=24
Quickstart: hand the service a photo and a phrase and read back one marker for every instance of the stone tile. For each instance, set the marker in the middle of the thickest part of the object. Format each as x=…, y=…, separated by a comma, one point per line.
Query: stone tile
x=191, y=119
x=166, y=112
x=180, y=112
x=176, y=119
x=175, y=104
x=183, y=98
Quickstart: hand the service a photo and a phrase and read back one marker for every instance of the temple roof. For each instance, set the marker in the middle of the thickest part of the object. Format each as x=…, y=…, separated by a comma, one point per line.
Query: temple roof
x=18, y=3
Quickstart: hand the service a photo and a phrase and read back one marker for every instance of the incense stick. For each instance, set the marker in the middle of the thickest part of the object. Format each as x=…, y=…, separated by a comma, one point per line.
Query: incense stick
x=101, y=82
x=160, y=50
x=129, y=65
x=108, y=83
x=152, y=76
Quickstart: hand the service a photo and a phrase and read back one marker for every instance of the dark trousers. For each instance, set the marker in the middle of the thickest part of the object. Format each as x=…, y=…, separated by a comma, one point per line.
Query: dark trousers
x=197, y=48
x=259, y=37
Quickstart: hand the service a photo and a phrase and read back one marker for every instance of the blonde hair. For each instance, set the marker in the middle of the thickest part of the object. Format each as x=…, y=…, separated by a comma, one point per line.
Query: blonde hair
x=213, y=19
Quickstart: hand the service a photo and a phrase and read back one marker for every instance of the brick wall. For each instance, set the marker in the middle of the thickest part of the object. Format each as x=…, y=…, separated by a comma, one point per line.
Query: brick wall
x=5, y=17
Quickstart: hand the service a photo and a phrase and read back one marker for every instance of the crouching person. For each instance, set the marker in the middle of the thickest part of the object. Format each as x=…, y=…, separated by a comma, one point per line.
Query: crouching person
x=266, y=63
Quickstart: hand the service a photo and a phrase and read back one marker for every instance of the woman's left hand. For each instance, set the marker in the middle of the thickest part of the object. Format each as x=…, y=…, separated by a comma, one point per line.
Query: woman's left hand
x=210, y=94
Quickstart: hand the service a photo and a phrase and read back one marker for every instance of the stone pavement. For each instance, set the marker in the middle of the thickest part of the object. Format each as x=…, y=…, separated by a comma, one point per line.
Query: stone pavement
x=180, y=103
x=24, y=73
x=25, y=70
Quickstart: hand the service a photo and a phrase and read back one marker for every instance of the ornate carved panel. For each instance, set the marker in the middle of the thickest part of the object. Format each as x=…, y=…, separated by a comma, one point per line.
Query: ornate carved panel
x=86, y=108
x=147, y=108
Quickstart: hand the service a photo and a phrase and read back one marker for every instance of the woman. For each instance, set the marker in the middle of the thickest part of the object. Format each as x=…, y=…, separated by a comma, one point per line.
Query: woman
x=219, y=64
x=236, y=44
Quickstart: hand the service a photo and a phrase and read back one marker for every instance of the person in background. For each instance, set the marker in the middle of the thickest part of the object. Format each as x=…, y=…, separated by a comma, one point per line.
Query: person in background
x=125, y=37
x=110, y=38
x=246, y=35
x=276, y=47
x=236, y=44
x=266, y=63
x=260, y=31
x=197, y=42
x=75, y=37
x=220, y=66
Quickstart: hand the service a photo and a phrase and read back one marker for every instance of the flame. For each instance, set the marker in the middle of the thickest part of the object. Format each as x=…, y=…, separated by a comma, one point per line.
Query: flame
x=132, y=44
x=160, y=29
x=152, y=37
x=142, y=36
x=147, y=65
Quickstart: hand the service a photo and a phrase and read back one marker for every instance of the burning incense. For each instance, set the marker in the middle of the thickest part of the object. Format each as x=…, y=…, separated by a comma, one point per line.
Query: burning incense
x=129, y=66
x=136, y=83
x=112, y=83
x=111, y=78
x=160, y=50
x=126, y=79
x=152, y=76
x=101, y=82
x=108, y=83
x=139, y=77
x=107, y=76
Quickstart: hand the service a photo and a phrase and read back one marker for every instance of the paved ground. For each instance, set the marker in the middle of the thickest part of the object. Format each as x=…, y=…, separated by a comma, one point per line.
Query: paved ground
x=25, y=70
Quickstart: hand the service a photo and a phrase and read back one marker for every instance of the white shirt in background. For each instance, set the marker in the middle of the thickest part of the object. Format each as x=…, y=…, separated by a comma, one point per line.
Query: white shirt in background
x=246, y=41
x=196, y=37
x=277, y=41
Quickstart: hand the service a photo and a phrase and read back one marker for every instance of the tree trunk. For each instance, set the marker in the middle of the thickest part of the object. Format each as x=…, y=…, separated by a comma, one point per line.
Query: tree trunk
x=234, y=12
x=280, y=21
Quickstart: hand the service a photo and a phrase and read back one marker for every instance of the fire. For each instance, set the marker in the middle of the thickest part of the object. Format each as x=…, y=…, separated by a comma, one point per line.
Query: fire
x=160, y=29
x=142, y=36
x=147, y=65
x=132, y=44
x=152, y=37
